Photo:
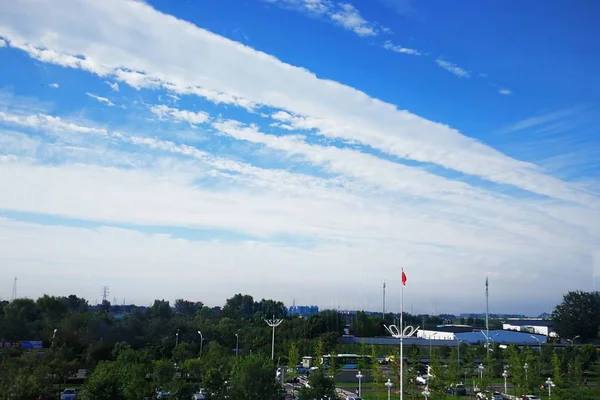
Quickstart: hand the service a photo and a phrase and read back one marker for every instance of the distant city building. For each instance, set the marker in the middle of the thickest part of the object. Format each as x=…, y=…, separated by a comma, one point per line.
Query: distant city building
x=303, y=311
x=495, y=316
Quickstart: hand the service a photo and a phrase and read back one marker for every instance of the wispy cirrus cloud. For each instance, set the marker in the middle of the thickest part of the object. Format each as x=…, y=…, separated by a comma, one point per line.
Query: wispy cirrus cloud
x=54, y=85
x=453, y=68
x=114, y=86
x=505, y=91
x=343, y=14
x=388, y=45
x=101, y=99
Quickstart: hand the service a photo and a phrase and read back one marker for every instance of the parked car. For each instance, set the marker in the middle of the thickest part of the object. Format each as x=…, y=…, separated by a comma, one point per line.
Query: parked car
x=201, y=394
x=421, y=380
x=69, y=394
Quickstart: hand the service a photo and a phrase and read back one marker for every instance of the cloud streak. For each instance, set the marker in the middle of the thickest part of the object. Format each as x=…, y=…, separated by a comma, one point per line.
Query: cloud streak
x=101, y=99
x=388, y=45
x=453, y=68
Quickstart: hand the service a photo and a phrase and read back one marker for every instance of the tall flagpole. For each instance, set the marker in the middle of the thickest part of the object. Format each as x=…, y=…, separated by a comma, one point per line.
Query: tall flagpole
x=401, y=335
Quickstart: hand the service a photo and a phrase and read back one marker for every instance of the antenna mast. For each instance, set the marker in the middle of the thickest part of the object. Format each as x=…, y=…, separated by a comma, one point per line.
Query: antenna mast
x=487, y=311
x=14, y=292
x=383, y=313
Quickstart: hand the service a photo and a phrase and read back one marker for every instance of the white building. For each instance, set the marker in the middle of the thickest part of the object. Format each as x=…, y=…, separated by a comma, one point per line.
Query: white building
x=539, y=327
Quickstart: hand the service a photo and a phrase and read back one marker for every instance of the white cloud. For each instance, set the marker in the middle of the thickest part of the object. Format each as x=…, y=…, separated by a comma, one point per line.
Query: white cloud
x=54, y=85
x=505, y=91
x=3, y=43
x=388, y=45
x=348, y=16
x=453, y=68
x=340, y=13
x=193, y=118
x=114, y=86
x=328, y=107
x=101, y=99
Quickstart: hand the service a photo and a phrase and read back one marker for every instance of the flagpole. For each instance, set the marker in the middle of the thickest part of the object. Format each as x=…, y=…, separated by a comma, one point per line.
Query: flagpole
x=402, y=336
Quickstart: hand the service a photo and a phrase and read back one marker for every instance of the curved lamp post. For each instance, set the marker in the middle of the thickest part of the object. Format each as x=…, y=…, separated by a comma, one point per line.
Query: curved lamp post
x=201, y=341
x=359, y=376
x=505, y=376
x=572, y=340
x=389, y=385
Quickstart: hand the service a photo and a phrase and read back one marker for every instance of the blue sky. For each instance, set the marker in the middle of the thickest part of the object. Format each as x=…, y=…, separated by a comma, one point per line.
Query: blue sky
x=203, y=148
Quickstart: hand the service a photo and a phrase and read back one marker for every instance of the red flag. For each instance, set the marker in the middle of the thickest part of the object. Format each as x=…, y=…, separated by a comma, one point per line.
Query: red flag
x=403, y=278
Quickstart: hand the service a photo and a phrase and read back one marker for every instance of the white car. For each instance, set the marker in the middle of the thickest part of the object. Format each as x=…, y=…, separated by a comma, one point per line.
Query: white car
x=201, y=394
x=421, y=380
x=532, y=397
x=68, y=394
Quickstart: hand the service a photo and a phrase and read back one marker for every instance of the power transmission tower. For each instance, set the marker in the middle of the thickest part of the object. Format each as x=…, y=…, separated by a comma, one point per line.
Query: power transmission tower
x=14, y=292
x=105, y=293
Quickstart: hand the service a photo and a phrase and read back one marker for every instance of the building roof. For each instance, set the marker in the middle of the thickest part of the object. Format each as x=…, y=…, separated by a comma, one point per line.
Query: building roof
x=501, y=336
x=530, y=322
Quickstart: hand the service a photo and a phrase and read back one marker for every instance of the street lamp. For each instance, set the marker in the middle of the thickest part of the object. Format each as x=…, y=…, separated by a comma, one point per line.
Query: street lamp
x=389, y=385
x=426, y=392
x=572, y=340
x=526, y=367
x=359, y=376
x=177, y=338
x=481, y=368
x=201, y=341
x=237, y=345
x=550, y=384
x=505, y=376
x=430, y=337
x=539, y=344
x=273, y=323
x=458, y=350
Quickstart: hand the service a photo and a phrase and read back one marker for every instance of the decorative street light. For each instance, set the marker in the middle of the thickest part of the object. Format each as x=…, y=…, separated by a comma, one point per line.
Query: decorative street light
x=177, y=338
x=359, y=376
x=426, y=392
x=201, y=341
x=458, y=342
x=273, y=323
x=526, y=367
x=505, y=376
x=481, y=368
x=550, y=384
x=389, y=385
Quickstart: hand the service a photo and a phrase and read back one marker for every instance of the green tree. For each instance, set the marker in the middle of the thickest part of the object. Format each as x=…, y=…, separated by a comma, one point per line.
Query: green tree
x=293, y=356
x=23, y=377
x=318, y=361
x=321, y=387
x=253, y=377
x=557, y=375
x=104, y=383
x=578, y=314
x=377, y=367
x=515, y=368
